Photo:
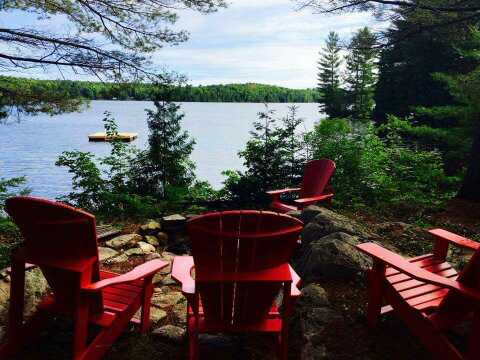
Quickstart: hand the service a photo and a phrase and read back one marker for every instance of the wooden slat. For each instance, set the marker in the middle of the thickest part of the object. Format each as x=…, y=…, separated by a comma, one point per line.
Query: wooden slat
x=422, y=261
x=395, y=279
x=412, y=283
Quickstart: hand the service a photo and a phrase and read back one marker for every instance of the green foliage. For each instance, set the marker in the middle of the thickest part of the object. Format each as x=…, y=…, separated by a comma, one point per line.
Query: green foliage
x=332, y=97
x=360, y=72
x=379, y=173
x=23, y=96
x=75, y=91
x=105, y=186
x=274, y=158
x=9, y=233
x=165, y=165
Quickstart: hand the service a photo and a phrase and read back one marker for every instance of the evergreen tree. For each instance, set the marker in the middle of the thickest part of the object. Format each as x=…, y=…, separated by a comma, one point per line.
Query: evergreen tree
x=360, y=77
x=165, y=166
x=331, y=95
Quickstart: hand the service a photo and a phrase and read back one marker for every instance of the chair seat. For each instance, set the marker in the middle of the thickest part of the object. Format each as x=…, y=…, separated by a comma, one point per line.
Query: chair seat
x=421, y=296
x=283, y=208
x=272, y=323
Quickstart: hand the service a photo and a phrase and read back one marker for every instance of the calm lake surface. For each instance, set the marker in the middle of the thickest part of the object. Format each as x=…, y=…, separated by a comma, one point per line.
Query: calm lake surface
x=31, y=147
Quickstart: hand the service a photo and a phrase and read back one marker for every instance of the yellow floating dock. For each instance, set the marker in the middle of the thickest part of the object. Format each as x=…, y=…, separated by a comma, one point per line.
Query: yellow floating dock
x=101, y=136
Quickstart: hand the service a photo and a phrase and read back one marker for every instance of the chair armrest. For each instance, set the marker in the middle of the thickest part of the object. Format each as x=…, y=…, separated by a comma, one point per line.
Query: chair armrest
x=295, y=291
x=181, y=269
x=140, y=272
x=283, y=191
x=313, y=199
x=401, y=264
x=455, y=239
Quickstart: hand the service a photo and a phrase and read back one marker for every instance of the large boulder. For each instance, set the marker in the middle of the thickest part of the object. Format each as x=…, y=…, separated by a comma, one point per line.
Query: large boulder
x=124, y=241
x=36, y=288
x=105, y=253
x=320, y=222
x=151, y=226
x=311, y=316
x=332, y=257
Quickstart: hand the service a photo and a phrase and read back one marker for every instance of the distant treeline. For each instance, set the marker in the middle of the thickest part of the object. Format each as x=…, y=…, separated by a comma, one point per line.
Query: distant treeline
x=210, y=93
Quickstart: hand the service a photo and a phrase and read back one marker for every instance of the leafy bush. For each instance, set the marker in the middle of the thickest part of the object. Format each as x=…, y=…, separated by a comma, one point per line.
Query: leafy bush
x=379, y=172
x=9, y=233
x=274, y=158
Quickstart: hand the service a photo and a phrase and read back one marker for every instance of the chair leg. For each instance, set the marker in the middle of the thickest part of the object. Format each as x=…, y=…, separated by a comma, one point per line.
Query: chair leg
x=147, y=296
x=376, y=279
x=81, y=328
x=473, y=344
x=193, y=346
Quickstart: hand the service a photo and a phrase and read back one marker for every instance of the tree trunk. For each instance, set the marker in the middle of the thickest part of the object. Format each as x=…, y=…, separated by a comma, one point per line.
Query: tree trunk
x=471, y=183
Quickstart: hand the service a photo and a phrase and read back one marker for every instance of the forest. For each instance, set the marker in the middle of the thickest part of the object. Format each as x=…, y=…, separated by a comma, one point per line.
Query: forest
x=89, y=90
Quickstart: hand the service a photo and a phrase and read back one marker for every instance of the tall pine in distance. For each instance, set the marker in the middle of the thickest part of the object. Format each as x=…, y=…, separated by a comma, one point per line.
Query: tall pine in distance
x=331, y=95
x=360, y=73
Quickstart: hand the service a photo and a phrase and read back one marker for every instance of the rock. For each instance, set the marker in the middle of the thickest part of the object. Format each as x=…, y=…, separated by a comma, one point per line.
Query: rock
x=167, y=256
x=312, y=314
x=117, y=259
x=152, y=240
x=180, y=311
x=106, y=253
x=36, y=287
x=332, y=257
x=162, y=238
x=170, y=332
x=146, y=248
x=153, y=256
x=151, y=226
x=170, y=299
x=313, y=295
x=156, y=314
x=297, y=214
x=134, y=251
x=174, y=219
x=7, y=278
x=167, y=280
x=191, y=216
x=313, y=351
x=394, y=226
x=321, y=222
x=174, y=223
x=124, y=241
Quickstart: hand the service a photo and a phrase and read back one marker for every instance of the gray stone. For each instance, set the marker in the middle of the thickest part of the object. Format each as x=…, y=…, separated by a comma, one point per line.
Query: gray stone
x=191, y=216
x=332, y=257
x=153, y=256
x=176, y=218
x=134, y=251
x=313, y=295
x=313, y=351
x=152, y=240
x=321, y=222
x=171, y=298
x=162, y=238
x=151, y=226
x=106, y=253
x=170, y=332
x=117, y=259
x=156, y=314
x=167, y=280
x=124, y=241
x=36, y=287
x=297, y=214
x=146, y=248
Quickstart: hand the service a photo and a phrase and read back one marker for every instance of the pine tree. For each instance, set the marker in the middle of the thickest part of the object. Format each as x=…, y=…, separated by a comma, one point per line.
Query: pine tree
x=360, y=77
x=165, y=165
x=331, y=95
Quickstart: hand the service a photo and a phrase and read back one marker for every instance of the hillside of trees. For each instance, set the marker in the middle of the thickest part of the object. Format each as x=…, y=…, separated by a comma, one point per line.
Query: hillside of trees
x=249, y=92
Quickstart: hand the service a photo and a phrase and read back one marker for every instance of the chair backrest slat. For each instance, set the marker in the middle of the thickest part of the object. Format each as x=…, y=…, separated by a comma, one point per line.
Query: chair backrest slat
x=315, y=177
x=240, y=242
x=54, y=231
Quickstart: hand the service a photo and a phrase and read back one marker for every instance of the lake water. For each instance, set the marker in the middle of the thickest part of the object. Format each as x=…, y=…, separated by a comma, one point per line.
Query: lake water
x=31, y=147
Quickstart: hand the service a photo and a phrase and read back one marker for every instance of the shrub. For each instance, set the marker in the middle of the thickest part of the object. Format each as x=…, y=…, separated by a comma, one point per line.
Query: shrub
x=379, y=172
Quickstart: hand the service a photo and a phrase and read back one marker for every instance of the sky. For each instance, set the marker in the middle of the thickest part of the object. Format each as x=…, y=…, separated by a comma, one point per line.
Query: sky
x=262, y=41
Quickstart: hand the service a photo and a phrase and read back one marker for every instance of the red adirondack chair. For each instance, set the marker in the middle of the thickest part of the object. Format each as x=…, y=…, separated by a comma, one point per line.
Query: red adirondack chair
x=241, y=263
x=314, y=187
x=62, y=242
x=427, y=293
